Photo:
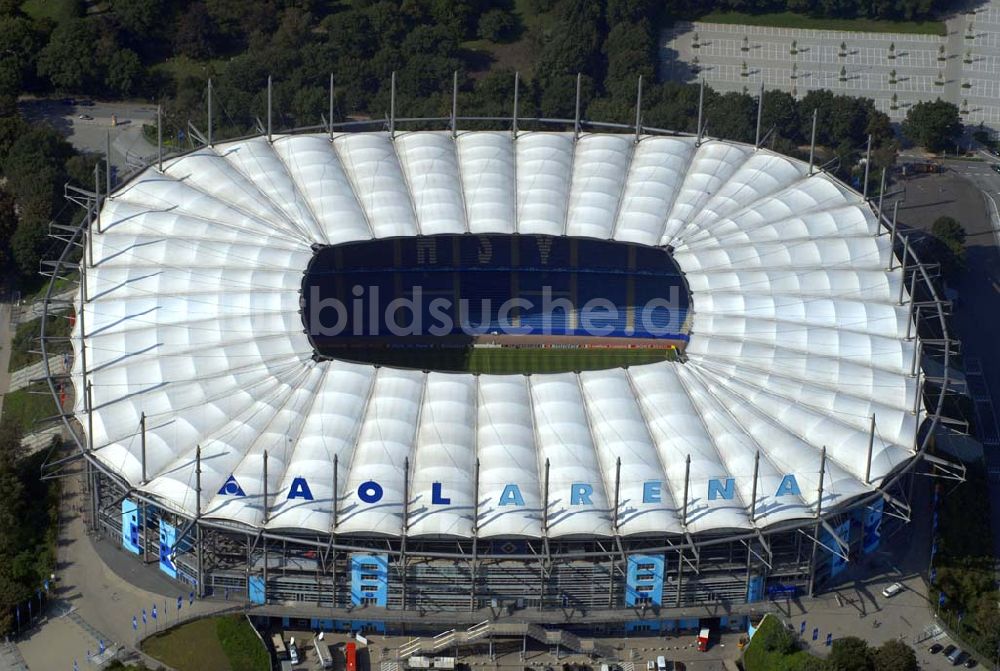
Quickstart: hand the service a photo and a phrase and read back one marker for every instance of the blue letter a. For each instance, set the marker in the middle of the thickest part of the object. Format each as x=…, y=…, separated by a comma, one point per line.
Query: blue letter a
x=300, y=490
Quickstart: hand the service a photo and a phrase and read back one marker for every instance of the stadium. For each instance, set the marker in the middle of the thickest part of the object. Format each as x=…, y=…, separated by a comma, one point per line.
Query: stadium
x=252, y=420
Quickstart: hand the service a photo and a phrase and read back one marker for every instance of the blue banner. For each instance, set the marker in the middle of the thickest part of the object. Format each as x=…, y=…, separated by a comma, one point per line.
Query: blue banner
x=168, y=537
x=871, y=535
x=755, y=590
x=130, y=526
x=256, y=590
x=837, y=562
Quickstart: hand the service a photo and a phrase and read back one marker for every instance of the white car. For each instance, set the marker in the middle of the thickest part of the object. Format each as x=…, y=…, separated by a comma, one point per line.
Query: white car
x=892, y=590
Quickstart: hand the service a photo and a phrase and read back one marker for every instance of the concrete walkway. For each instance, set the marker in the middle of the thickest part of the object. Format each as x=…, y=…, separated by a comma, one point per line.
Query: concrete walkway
x=21, y=378
x=33, y=310
x=96, y=595
x=6, y=335
x=39, y=440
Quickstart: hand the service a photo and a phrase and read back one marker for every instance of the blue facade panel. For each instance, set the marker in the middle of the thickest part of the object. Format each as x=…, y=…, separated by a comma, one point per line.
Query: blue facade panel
x=644, y=580
x=130, y=526
x=843, y=531
x=871, y=534
x=320, y=624
x=755, y=590
x=168, y=538
x=256, y=590
x=370, y=579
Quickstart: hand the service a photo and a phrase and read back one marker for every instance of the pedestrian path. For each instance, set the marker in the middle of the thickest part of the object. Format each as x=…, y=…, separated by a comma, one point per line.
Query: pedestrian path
x=39, y=440
x=20, y=379
x=10, y=658
x=33, y=310
x=97, y=598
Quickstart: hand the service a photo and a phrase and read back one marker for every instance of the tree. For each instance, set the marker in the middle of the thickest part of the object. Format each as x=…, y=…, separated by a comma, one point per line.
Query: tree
x=631, y=11
x=778, y=639
x=630, y=52
x=672, y=105
x=850, y=654
x=236, y=20
x=734, y=118
x=498, y=25
x=124, y=71
x=933, y=125
x=193, y=34
x=894, y=655
x=19, y=44
x=781, y=111
x=351, y=33
x=8, y=225
x=138, y=17
x=949, y=238
x=69, y=59
x=430, y=41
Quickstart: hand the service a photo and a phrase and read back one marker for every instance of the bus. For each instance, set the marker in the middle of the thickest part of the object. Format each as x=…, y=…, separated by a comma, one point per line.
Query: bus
x=351, y=653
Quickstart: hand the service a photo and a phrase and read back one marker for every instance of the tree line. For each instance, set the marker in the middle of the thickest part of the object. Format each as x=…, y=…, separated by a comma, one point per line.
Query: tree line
x=906, y=10
x=29, y=510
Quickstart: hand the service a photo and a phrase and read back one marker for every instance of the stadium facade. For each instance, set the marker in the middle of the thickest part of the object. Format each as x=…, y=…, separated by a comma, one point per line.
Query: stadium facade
x=774, y=453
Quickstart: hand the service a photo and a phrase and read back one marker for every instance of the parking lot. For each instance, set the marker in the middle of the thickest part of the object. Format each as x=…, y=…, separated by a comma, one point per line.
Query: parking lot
x=896, y=70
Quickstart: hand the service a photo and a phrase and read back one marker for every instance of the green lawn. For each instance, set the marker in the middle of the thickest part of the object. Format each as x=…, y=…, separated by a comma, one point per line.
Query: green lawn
x=503, y=361
x=25, y=346
x=179, y=67
x=57, y=10
x=25, y=406
x=220, y=643
x=792, y=20
x=520, y=54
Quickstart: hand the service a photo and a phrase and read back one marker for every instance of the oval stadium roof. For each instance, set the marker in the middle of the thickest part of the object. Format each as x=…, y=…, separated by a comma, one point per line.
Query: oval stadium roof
x=193, y=319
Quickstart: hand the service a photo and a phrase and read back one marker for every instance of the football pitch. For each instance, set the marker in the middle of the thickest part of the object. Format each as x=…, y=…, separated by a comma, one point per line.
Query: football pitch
x=505, y=360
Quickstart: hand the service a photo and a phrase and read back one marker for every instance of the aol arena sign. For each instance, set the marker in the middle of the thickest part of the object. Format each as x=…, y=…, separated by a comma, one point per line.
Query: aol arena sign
x=580, y=493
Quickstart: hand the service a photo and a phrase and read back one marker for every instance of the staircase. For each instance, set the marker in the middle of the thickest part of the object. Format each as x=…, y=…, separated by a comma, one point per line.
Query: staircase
x=453, y=638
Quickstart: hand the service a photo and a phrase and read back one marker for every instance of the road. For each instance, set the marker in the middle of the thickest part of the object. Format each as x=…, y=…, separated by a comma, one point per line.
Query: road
x=970, y=192
x=91, y=135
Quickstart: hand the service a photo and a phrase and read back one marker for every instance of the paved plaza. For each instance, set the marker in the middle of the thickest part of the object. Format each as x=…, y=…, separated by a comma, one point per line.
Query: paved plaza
x=896, y=70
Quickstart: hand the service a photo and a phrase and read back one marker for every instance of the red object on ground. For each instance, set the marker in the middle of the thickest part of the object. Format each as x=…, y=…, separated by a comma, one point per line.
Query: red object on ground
x=703, y=640
x=351, y=653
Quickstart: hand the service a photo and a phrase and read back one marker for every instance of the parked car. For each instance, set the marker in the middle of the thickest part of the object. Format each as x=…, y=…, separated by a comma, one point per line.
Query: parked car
x=948, y=650
x=892, y=590
x=86, y=117
x=935, y=649
x=971, y=663
x=956, y=656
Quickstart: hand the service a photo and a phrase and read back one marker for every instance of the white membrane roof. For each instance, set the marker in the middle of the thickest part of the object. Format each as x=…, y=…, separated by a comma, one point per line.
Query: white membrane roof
x=193, y=318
